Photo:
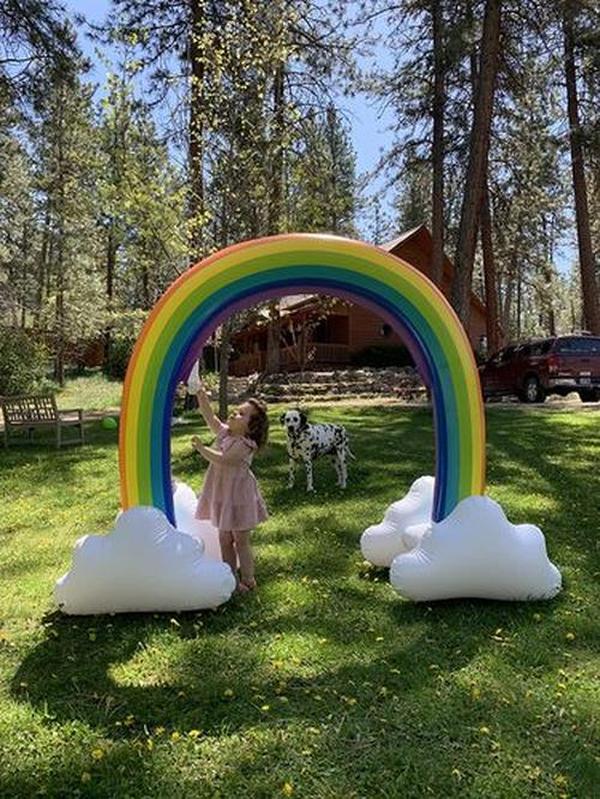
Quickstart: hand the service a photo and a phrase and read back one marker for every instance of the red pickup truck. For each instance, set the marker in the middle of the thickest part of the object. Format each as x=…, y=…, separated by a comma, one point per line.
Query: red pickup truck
x=535, y=369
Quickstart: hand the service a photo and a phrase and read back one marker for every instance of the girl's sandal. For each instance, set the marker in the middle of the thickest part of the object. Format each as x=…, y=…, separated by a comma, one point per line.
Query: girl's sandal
x=241, y=588
x=249, y=585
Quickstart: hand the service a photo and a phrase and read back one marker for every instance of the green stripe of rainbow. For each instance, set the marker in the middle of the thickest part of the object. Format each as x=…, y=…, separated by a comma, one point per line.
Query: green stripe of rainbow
x=250, y=272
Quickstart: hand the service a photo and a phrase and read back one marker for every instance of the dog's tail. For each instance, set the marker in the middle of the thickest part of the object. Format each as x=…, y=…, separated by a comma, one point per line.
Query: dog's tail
x=349, y=452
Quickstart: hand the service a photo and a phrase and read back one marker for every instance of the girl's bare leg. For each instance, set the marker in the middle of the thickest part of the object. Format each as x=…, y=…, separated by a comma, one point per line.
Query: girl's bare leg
x=245, y=555
x=227, y=550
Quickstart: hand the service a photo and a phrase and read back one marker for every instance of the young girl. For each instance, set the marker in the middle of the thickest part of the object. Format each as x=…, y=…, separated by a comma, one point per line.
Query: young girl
x=230, y=497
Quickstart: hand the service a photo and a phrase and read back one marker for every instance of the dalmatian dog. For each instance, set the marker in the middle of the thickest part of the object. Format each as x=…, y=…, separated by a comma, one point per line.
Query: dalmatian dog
x=306, y=442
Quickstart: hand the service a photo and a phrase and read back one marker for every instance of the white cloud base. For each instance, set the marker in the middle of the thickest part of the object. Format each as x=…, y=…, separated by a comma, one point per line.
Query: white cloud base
x=402, y=527
x=143, y=565
x=475, y=552
x=185, y=502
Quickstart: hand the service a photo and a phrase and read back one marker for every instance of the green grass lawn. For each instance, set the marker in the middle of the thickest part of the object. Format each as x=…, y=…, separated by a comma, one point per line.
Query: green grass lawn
x=92, y=391
x=324, y=683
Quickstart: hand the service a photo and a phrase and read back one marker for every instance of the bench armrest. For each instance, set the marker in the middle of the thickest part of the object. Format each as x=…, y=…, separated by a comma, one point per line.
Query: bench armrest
x=78, y=411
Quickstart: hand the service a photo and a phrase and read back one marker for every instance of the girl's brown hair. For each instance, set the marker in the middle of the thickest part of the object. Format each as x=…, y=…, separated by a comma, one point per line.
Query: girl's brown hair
x=258, y=425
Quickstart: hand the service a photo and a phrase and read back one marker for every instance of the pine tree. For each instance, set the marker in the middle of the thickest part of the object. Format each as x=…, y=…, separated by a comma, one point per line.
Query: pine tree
x=322, y=177
x=73, y=308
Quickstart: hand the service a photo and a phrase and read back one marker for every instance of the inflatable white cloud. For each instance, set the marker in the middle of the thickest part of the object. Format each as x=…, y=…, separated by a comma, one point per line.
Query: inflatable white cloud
x=402, y=527
x=144, y=564
x=185, y=502
x=477, y=552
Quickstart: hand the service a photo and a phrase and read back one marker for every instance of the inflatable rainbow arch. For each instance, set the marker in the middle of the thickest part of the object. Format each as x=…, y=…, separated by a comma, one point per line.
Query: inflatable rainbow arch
x=254, y=271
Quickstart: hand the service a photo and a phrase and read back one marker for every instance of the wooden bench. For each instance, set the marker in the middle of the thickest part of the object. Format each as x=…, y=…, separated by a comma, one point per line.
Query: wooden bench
x=27, y=413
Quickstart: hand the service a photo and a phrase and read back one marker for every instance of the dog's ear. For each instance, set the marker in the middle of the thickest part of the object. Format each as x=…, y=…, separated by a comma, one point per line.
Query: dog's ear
x=303, y=417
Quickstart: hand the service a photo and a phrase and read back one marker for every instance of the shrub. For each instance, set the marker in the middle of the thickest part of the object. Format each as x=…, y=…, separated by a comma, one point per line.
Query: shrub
x=23, y=361
x=383, y=356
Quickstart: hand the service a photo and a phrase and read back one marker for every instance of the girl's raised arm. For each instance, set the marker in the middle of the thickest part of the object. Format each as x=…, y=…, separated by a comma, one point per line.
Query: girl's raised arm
x=213, y=421
x=194, y=386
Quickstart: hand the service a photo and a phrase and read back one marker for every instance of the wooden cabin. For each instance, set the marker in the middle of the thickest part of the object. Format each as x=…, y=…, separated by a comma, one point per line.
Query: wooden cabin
x=325, y=333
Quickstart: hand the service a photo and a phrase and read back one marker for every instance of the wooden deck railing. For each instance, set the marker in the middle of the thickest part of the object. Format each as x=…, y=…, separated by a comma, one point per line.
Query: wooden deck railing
x=290, y=358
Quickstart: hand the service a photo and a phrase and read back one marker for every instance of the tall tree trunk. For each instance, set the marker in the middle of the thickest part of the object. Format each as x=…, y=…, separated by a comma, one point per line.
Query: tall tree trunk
x=111, y=255
x=437, y=152
x=59, y=364
x=509, y=294
x=24, y=268
x=41, y=288
x=147, y=304
x=196, y=207
x=519, y=300
x=589, y=284
x=493, y=331
x=273, y=359
x=224, y=349
x=275, y=210
x=333, y=220
x=478, y=158
x=59, y=367
x=547, y=296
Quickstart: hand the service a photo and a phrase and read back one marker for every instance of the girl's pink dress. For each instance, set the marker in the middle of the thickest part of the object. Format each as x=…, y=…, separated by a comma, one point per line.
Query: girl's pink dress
x=230, y=497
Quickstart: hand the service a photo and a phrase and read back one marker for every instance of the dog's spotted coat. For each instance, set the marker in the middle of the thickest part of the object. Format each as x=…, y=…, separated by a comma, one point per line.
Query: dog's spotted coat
x=306, y=442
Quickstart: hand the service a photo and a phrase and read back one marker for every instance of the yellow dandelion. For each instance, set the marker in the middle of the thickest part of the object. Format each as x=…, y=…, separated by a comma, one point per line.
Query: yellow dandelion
x=175, y=736
x=265, y=708
x=97, y=754
x=570, y=636
x=484, y=730
x=86, y=776
x=287, y=789
x=194, y=734
x=228, y=693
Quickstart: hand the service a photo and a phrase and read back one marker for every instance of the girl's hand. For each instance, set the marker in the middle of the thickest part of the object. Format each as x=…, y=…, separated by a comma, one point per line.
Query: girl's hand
x=197, y=444
x=194, y=384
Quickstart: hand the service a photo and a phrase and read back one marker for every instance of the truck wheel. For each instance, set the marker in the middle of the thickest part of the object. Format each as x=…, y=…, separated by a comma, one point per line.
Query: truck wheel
x=589, y=395
x=532, y=391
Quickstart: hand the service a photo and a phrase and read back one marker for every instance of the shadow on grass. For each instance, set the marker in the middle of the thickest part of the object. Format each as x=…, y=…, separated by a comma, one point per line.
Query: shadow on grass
x=366, y=700
x=71, y=672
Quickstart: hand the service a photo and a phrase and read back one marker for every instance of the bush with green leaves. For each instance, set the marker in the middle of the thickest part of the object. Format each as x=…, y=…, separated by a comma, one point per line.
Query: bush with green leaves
x=23, y=361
